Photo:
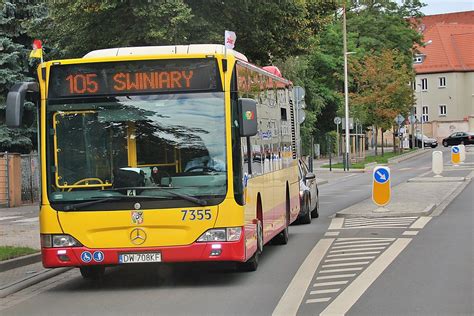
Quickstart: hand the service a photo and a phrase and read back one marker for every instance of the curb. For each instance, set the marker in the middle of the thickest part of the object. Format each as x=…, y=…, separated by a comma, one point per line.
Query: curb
x=426, y=212
x=29, y=281
x=19, y=262
x=434, y=180
x=406, y=156
x=321, y=182
x=338, y=170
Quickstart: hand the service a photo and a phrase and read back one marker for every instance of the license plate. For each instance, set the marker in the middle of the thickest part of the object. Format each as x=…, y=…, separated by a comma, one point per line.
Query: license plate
x=140, y=257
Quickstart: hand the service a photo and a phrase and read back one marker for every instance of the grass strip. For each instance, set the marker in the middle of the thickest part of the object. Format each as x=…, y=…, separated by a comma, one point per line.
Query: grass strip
x=361, y=165
x=10, y=252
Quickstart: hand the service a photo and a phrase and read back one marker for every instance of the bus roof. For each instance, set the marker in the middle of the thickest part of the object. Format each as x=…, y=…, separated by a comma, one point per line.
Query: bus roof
x=165, y=50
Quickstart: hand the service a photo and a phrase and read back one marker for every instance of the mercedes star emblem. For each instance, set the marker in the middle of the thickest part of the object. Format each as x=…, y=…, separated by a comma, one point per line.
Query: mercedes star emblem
x=137, y=236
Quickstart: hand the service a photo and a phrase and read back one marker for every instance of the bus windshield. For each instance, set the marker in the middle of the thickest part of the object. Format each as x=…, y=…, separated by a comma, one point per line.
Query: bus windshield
x=165, y=146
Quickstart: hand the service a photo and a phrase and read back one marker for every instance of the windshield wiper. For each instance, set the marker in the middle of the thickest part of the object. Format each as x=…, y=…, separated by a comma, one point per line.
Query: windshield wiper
x=166, y=189
x=78, y=206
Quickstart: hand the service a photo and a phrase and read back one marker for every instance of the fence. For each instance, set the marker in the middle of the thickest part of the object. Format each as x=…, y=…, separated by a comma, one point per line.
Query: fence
x=19, y=179
x=30, y=178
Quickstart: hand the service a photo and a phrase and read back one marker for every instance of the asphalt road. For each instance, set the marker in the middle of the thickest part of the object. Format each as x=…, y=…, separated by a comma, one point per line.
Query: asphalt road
x=199, y=289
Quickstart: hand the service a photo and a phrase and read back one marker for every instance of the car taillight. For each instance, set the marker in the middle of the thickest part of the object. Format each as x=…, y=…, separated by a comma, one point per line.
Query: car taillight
x=469, y=137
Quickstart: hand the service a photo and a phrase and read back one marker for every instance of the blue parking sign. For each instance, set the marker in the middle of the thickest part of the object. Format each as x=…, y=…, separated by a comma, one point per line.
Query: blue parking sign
x=455, y=149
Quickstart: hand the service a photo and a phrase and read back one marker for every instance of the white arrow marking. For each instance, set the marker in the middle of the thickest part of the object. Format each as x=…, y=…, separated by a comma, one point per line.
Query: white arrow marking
x=381, y=175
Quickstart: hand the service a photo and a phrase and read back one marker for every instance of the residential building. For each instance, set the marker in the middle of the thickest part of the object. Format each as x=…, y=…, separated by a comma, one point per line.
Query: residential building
x=444, y=66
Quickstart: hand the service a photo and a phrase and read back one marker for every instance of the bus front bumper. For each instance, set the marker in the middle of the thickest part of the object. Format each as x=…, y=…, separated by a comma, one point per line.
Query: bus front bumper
x=83, y=256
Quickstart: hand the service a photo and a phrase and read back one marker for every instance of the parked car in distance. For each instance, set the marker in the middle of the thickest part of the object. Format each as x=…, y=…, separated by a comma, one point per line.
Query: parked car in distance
x=309, y=194
x=458, y=138
x=427, y=141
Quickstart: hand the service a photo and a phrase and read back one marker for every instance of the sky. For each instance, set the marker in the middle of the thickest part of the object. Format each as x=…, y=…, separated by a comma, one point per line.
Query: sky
x=446, y=6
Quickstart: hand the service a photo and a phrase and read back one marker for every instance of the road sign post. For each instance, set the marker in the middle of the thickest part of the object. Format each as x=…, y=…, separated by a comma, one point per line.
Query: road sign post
x=381, y=191
x=437, y=163
x=337, y=121
x=455, y=155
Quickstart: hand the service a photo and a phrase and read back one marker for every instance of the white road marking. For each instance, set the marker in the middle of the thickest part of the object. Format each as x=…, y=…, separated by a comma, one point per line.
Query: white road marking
x=27, y=220
x=354, y=254
x=348, y=259
x=376, y=226
x=331, y=234
x=359, y=245
x=421, y=222
x=336, y=276
x=363, y=238
x=410, y=233
x=317, y=300
x=336, y=223
x=330, y=283
x=380, y=219
x=404, y=169
x=342, y=303
x=334, y=265
x=340, y=270
x=340, y=243
x=294, y=294
x=357, y=249
x=8, y=217
x=324, y=291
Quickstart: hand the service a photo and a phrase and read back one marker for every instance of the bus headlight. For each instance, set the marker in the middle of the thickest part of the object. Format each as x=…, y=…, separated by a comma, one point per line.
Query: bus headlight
x=58, y=241
x=221, y=234
x=213, y=235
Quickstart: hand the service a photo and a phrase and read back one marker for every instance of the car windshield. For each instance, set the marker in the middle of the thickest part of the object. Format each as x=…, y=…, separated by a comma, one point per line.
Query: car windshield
x=148, y=145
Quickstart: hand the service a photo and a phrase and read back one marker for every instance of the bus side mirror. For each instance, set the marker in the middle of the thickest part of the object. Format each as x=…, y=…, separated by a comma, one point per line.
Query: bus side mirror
x=15, y=102
x=247, y=117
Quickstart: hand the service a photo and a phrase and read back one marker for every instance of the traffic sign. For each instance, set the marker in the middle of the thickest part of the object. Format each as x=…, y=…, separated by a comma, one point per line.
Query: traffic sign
x=412, y=119
x=381, y=190
x=98, y=256
x=337, y=120
x=86, y=256
x=399, y=119
x=455, y=155
x=299, y=93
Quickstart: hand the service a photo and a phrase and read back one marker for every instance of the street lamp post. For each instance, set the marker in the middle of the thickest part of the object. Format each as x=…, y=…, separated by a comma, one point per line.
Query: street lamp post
x=346, y=90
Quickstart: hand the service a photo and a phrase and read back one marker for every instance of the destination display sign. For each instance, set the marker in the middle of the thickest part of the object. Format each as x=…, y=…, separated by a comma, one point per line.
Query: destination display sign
x=132, y=77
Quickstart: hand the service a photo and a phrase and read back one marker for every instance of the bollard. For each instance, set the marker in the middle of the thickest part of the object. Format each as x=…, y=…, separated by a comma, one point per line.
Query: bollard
x=437, y=163
x=381, y=191
x=455, y=156
x=462, y=153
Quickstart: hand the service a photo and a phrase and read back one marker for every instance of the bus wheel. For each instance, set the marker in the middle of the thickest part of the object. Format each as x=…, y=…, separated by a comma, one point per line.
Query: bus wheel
x=92, y=272
x=252, y=264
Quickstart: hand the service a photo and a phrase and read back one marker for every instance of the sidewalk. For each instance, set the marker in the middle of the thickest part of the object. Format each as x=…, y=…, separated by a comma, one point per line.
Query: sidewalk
x=421, y=196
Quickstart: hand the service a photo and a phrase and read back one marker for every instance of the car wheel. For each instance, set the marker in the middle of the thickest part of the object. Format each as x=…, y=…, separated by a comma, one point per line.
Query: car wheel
x=445, y=143
x=315, y=212
x=306, y=219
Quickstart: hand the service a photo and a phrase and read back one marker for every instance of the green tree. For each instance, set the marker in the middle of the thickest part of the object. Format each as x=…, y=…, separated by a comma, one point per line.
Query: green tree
x=266, y=30
x=15, y=17
x=382, y=89
x=72, y=29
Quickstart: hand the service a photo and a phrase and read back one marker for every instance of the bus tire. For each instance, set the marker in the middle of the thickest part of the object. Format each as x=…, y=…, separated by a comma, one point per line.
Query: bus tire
x=252, y=264
x=92, y=272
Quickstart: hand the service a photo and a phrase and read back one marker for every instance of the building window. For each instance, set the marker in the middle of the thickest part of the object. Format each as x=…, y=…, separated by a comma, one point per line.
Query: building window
x=442, y=82
x=442, y=110
x=424, y=84
x=418, y=59
x=424, y=117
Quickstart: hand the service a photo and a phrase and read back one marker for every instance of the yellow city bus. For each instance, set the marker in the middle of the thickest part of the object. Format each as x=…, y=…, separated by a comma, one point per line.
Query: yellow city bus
x=162, y=154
